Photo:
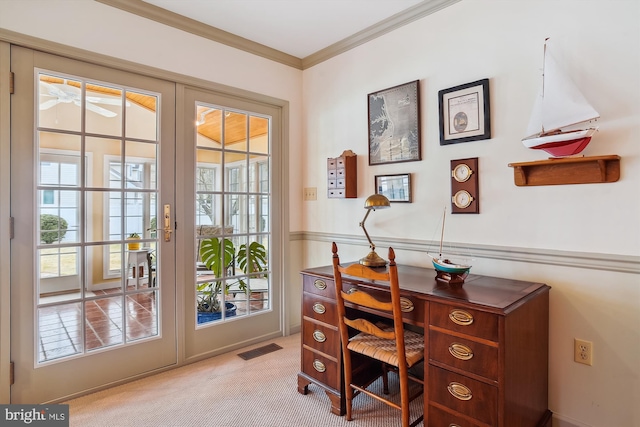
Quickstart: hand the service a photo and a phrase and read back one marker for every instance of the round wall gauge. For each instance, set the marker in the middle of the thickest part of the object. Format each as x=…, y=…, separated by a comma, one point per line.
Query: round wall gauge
x=462, y=199
x=461, y=172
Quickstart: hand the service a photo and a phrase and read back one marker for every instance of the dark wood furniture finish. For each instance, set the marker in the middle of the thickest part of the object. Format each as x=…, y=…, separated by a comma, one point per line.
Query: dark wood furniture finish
x=486, y=343
x=342, y=176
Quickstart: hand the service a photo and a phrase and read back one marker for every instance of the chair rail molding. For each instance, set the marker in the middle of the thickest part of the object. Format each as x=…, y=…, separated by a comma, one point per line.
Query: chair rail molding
x=586, y=260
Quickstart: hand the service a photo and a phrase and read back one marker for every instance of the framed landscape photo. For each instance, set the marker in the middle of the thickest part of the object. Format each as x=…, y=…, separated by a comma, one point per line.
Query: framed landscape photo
x=464, y=113
x=396, y=188
x=394, y=124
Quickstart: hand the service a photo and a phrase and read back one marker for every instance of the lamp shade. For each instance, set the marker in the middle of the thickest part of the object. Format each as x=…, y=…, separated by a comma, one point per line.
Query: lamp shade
x=376, y=201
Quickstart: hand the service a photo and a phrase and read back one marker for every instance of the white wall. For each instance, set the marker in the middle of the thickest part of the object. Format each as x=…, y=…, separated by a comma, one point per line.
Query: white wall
x=599, y=44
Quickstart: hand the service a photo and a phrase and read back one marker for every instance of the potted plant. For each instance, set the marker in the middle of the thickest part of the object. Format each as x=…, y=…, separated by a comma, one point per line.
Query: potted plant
x=221, y=258
x=134, y=246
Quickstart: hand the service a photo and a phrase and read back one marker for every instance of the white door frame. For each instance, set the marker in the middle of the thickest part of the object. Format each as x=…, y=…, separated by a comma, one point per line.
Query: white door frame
x=5, y=209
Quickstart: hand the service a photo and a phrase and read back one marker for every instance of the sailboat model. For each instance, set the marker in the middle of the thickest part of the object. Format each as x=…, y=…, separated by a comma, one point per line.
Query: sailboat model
x=447, y=270
x=560, y=120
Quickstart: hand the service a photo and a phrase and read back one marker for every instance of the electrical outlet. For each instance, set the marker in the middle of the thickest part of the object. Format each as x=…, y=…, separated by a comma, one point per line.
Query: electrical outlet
x=583, y=351
x=310, y=193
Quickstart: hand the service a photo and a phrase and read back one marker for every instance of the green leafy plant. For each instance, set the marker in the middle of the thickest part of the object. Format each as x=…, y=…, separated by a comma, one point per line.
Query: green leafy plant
x=219, y=256
x=134, y=236
x=57, y=226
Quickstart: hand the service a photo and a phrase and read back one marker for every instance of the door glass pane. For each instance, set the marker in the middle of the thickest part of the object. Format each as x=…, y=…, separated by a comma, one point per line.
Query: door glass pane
x=103, y=322
x=95, y=192
x=141, y=116
x=103, y=150
x=259, y=131
x=103, y=109
x=209, y=123
x=235, y=131
x=59, y=101
x=232, y=214
x=59, y=331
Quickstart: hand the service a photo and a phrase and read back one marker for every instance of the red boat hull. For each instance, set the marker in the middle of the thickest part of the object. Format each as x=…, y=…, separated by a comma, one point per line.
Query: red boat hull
x=564, y=148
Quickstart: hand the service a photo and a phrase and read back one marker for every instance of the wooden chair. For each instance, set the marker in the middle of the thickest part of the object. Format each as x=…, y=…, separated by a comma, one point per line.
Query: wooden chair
x=394, y=347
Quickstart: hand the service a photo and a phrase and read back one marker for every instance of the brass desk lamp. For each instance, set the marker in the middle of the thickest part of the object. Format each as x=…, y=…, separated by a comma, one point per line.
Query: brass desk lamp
x=373, y=202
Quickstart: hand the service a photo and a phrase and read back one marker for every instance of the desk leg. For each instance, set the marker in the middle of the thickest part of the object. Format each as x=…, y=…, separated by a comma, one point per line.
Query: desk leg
x=338, y=405
x=303, y=385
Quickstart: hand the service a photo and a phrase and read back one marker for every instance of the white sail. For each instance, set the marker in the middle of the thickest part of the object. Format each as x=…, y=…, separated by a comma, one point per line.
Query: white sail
x=560, y=103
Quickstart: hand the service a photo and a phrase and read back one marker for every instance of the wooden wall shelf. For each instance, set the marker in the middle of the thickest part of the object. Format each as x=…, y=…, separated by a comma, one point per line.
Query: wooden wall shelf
x=576, y=170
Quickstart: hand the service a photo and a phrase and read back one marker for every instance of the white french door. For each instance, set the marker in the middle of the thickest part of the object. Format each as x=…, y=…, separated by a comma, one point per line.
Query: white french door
x=231, y=157
x=93, y=164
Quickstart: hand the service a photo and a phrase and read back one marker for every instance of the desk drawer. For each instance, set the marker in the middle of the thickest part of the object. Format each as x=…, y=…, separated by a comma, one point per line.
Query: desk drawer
x=319, y=308
x=464, y=354
x=321, y=337
x=471, y=322
x=438, y=417
x=473, y=398
x=319, y=286
x=321, y=368
x=413, y=308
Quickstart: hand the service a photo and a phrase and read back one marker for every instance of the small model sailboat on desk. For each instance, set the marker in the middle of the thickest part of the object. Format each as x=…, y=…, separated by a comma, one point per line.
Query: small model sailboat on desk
x=448, y=271
x=561, y=116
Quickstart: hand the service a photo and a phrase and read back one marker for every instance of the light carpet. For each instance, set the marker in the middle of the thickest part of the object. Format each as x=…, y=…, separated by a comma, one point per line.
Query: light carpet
x=227, y=391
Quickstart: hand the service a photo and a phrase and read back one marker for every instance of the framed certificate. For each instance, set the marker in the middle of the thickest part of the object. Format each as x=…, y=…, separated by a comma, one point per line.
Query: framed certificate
x=464, y=113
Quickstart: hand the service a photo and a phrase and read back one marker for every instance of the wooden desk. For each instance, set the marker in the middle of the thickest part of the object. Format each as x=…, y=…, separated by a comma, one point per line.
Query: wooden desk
x=503, y=324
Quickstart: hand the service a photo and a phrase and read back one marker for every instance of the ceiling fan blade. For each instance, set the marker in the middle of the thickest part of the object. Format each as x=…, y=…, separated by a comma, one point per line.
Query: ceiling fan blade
x=100, y=110
x=107, y=101
x=48, y=104
x=51, y=90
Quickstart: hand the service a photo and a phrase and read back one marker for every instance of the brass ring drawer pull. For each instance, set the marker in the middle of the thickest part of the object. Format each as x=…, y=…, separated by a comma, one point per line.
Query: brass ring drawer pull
x=459, y=391
x=319, y=366
x=320, y=284
x=319, y=336
x=319, y=308
x=461, y=317
x=406, y=305
x=460, y=351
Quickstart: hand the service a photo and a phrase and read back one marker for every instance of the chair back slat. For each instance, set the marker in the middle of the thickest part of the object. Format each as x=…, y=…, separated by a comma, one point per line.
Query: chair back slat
x=364, y=272
x=363, y=325
x=364, y=299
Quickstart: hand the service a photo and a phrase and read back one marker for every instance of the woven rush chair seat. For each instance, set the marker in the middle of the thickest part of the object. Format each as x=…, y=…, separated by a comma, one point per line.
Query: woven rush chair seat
x=390, y=346
x=385, y=350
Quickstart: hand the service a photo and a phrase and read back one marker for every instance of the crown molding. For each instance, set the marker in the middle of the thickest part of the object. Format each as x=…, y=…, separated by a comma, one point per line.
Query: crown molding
x=425, y=8
x=163, y=16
